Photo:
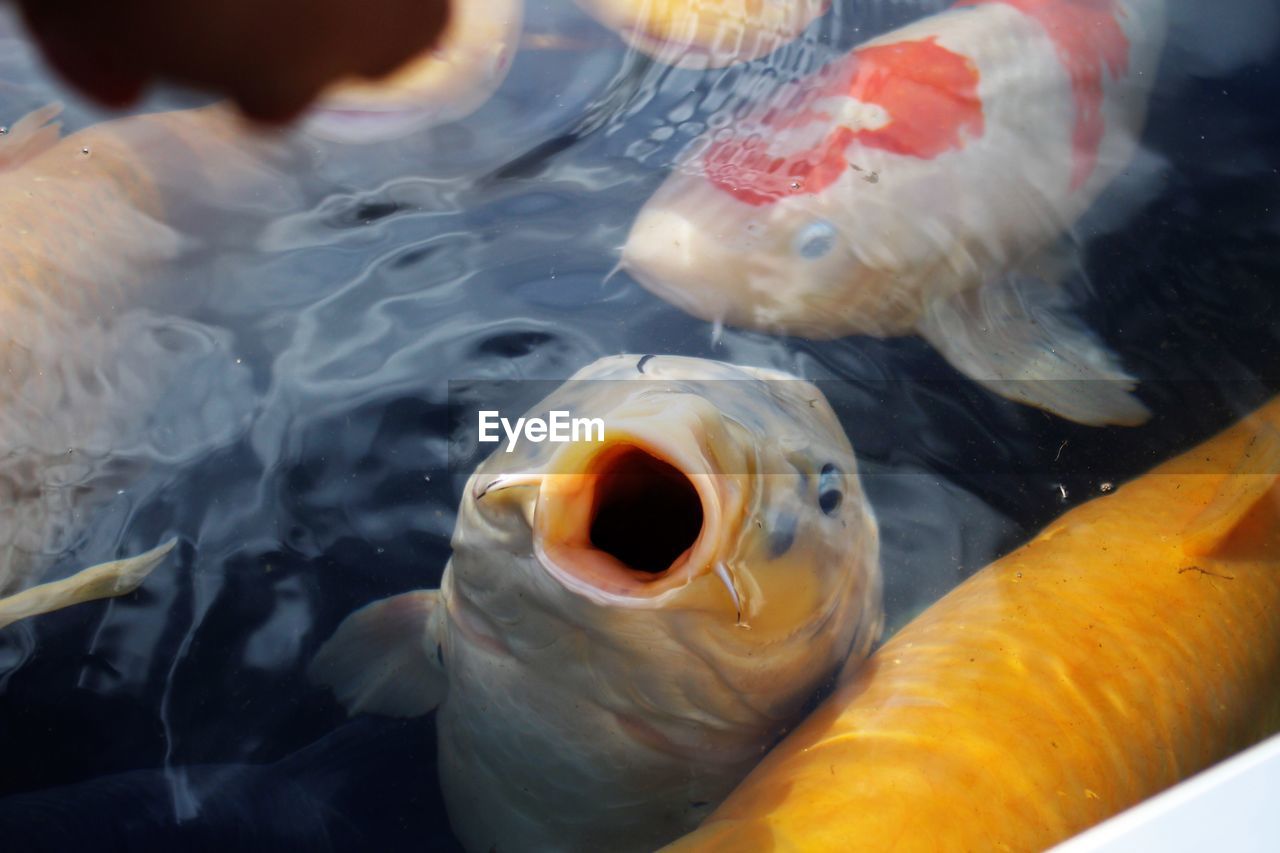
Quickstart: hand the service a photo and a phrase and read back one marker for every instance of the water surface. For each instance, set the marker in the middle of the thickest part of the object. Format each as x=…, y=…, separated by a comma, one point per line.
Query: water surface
x=482, y=250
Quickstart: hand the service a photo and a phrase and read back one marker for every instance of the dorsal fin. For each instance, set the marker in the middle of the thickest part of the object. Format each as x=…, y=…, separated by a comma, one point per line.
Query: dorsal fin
x=30, y=136
x=1247, y=491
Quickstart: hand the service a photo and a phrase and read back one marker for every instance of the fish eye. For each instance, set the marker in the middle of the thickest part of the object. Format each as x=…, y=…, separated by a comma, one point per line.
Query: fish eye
x=830, y=494
x=815, y=240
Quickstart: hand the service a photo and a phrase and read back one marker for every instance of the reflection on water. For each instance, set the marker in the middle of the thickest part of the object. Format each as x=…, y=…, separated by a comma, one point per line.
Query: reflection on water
x=276, y=395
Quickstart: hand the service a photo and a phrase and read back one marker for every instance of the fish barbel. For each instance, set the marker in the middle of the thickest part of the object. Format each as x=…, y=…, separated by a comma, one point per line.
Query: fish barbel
x=627, y=624
x=1131, y=644
x=917, y=185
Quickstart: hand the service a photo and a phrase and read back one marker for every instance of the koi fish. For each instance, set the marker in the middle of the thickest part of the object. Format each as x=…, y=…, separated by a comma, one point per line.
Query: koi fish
x=709, y=33
x=1131, y=644
x=82, y=221
x=447, y=83
x=914, y=186
x=627, y=624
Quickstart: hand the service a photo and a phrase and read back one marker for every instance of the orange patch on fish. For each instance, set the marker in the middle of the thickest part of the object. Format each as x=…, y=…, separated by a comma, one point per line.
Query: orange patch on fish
x=1088, y=35
x=929, y=96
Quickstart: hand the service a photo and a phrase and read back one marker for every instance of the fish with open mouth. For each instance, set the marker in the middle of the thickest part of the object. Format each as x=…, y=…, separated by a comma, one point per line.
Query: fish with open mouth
x=628, y=624
x=922, y=184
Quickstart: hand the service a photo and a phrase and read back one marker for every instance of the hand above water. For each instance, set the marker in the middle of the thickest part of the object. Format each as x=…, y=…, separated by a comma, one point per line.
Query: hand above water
x=272, y=57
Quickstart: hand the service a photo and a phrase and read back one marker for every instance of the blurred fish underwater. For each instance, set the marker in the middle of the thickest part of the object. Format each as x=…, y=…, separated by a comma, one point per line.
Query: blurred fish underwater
x=281, y=401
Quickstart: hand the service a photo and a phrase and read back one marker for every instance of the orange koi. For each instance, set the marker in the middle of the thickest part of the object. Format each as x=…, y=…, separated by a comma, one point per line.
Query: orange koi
x=1131, y=644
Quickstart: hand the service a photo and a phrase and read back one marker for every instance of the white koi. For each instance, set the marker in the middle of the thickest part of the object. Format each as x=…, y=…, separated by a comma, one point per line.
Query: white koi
x=627, y=625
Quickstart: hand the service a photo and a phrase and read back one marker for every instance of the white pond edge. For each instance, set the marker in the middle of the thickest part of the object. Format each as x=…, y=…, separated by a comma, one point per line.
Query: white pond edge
x=1233, y=806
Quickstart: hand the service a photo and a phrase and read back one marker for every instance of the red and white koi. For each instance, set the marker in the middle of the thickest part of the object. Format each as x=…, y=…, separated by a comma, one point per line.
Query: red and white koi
x=909, y=186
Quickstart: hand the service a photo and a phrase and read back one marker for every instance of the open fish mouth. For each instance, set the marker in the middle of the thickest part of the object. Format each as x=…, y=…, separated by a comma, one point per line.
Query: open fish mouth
x=629, y=521
x=646, y=513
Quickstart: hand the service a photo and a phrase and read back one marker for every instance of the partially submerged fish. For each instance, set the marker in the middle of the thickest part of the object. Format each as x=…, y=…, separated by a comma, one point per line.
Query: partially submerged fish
x=445, y=84
x=914, y=186
x=627, y=625
x=1131, y=644
x=81, y=225
x=708, y=33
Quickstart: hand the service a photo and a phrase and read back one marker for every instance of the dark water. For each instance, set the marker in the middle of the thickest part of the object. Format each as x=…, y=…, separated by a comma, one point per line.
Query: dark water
x=181, y=715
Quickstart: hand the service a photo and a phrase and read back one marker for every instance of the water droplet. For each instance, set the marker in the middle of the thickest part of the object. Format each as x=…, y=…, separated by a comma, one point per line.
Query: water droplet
x=796, y=186
x=84, y=151
x=1106, y=487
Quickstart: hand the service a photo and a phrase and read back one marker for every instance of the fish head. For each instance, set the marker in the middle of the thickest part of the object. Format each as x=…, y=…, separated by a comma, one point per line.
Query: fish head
x=775, y=229
x=721, y=516
x=790, y=267
x=821, y=209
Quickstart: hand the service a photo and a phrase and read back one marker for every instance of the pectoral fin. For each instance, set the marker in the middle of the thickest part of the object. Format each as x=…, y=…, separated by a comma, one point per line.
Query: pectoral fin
x=386, y=658
x=30, y=136
x=1017, y=338
x=103, y=581
x=1245, y=511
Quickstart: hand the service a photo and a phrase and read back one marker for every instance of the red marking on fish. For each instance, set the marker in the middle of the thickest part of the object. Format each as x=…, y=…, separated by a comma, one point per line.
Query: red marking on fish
x=930, y=96
x=1088, y=35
